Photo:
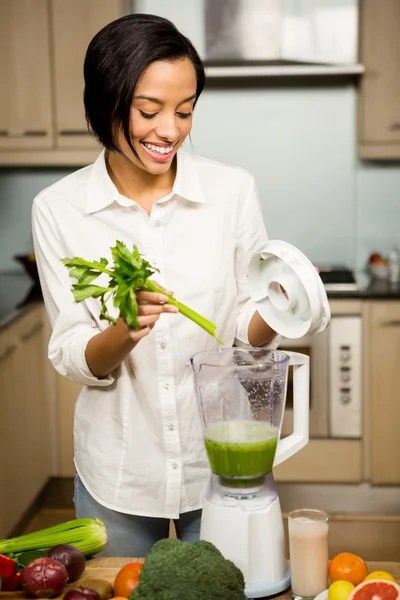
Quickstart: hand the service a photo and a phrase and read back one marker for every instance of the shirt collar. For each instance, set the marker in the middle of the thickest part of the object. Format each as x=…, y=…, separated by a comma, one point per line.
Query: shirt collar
x=102, y=192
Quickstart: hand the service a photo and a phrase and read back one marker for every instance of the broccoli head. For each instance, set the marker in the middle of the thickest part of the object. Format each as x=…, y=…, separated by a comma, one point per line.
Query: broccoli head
x=175, y=570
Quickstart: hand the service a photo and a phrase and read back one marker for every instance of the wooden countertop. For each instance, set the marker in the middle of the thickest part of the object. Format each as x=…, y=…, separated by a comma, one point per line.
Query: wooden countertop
x=107, y=568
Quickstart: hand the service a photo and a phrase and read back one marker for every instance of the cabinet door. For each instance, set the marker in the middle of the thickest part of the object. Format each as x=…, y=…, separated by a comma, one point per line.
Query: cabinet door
x=382, y=349
x=379, y=122
x=9, y=513
x=74, y=23
x=32, y=404
x=25, y=97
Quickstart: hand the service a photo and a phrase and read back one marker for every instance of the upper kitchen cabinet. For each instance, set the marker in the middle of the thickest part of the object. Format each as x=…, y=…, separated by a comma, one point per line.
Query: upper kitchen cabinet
x=25, y=88
x=74, y=23
x=42, y=49
x=379, y=100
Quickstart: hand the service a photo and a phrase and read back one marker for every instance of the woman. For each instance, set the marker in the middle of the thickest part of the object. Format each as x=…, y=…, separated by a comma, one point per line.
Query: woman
x=139, y=452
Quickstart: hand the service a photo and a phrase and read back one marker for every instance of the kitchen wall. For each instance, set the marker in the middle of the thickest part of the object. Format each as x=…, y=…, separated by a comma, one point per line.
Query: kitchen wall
x=298, y=141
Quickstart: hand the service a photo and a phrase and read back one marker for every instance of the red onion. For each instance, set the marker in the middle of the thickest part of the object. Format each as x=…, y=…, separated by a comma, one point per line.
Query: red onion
x=44, y=578
x=72, y=559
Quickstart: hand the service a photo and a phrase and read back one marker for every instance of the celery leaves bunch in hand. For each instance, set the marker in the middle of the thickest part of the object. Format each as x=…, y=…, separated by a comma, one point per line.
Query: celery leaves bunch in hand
x=129, y=273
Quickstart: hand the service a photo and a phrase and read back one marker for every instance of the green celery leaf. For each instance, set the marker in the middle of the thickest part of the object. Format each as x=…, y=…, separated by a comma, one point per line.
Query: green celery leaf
x=83, y=292
x=104, y=315
x=128, y=307
x=133, y=258
x=124, y=269
x=84, y=275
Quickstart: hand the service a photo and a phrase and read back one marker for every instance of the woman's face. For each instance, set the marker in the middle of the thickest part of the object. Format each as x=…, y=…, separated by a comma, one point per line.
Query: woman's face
x=161, y=114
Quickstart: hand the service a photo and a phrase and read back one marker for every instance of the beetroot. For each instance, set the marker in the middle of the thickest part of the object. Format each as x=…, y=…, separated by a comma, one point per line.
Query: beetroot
x=82, y=593
x=72, y=559
x=44, y=578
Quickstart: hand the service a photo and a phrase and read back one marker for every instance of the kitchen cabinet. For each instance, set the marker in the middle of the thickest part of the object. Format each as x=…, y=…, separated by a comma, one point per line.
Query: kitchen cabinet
x=379, y=98
x=324, y=461
x=75, y=21
x=25, y=94
x=25, y=424
x=382, y=396
x=42, y=49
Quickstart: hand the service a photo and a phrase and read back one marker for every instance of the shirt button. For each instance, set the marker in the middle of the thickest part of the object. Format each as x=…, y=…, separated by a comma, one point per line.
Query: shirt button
x=174, y=466
x=170, y=427
x=167, y=386
x=163, y=345
x=158, y=223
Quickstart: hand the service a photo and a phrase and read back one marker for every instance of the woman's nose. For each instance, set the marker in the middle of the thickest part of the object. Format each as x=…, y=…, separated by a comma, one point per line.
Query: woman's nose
x=168, y=128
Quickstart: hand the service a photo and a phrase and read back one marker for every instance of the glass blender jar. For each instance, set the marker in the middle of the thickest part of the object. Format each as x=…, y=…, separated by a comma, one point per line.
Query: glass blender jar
x=241, y=395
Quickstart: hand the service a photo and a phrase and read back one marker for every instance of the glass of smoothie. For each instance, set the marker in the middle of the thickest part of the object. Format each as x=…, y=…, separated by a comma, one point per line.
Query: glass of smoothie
x=308, y=547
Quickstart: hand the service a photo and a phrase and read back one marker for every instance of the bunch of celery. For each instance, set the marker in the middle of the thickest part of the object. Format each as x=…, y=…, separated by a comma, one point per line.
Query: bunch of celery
x=88, y=535
x=130, y=272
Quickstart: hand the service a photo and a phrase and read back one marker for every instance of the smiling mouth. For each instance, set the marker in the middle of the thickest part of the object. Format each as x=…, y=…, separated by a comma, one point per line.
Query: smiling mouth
x=156, y=151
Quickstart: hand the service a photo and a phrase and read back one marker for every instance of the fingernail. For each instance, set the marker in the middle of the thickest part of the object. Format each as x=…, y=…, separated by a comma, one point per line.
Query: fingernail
x=172, y=309
x=162, y=299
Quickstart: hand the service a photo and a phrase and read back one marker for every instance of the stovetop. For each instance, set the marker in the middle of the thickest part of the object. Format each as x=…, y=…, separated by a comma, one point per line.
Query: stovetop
x=337, y=278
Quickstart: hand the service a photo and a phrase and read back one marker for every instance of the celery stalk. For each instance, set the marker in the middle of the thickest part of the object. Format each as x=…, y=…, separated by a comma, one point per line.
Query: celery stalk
x=185, y=311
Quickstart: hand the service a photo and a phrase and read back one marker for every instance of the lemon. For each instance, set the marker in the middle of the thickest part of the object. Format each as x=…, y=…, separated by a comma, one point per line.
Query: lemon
x=340, y=590
x=380, y=575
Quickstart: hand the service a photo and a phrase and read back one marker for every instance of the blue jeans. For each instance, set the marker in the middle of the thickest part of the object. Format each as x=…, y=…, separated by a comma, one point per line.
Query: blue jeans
x=130, y=535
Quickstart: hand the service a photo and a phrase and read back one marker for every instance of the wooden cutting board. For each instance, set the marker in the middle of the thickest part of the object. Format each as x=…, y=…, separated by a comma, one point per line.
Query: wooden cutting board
x=107, y=569
x=96, y=568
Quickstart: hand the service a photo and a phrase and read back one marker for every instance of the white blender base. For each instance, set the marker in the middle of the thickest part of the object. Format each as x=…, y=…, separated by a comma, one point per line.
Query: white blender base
x=254, y=540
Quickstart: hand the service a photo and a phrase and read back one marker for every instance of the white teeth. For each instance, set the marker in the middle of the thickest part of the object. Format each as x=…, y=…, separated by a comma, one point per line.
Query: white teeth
x=159, y=149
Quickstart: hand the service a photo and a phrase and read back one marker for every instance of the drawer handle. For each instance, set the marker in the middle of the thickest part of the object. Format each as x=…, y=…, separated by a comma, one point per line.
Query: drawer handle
x=394, y=323
x=28, y=334
x=395, y=126
x=6, y=352
x=67, y=132
x=20, y=133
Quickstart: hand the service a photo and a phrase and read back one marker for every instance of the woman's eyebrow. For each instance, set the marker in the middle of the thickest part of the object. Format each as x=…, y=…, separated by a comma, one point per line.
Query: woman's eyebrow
x=157, y=101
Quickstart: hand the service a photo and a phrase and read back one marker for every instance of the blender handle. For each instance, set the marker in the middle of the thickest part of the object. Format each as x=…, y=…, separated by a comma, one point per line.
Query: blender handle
x=301, y=408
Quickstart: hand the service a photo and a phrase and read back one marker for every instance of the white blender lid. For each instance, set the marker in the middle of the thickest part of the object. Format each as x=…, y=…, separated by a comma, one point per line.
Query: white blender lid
x=306, y=309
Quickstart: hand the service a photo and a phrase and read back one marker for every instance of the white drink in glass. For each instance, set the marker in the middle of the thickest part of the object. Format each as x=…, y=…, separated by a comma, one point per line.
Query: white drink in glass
x=308, y=546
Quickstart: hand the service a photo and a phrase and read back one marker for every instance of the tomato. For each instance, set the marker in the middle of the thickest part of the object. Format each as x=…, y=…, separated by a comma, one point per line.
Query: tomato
x=127, y=579
x=348, y=567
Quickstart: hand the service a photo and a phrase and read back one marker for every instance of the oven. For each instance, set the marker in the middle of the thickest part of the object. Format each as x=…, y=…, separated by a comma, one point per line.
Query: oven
x=335, y=379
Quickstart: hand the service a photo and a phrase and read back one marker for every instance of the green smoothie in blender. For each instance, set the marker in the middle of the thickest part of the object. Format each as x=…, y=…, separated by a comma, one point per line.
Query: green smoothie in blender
x=241, y=449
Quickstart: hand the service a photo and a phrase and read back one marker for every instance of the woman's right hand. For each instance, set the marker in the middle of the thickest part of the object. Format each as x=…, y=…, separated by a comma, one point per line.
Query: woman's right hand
x=106, y=350
x=150, y=306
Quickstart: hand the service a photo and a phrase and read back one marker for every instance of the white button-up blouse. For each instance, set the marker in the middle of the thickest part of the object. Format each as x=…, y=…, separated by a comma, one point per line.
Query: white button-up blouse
x=137, y=433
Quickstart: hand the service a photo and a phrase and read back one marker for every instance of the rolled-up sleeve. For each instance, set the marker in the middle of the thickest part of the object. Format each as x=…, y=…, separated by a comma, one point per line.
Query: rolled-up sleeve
x=71, y=322
x=251, y=237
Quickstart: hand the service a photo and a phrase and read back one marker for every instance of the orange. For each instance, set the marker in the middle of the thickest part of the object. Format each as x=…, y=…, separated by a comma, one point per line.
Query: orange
x=347, y=567
x=127, y=579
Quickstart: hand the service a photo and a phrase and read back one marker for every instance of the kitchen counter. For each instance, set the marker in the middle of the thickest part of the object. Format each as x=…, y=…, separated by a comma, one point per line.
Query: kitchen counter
x=107, y=568
x=17, y=293
x=375, y=290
